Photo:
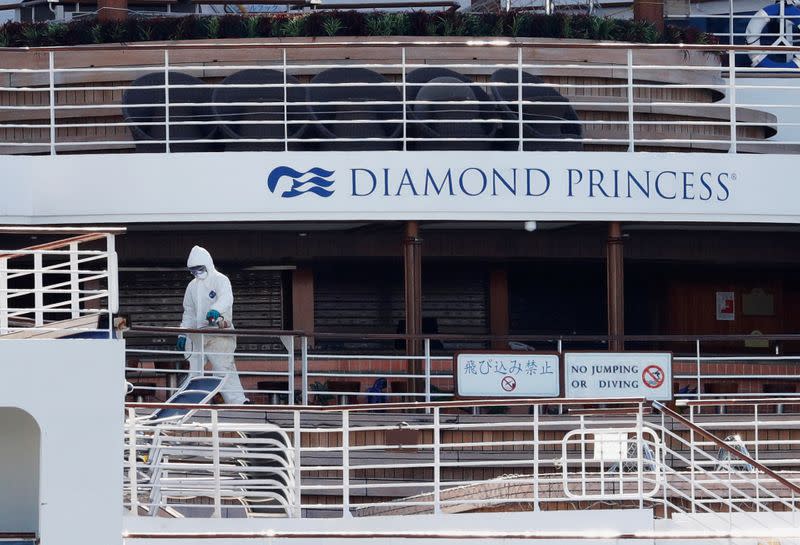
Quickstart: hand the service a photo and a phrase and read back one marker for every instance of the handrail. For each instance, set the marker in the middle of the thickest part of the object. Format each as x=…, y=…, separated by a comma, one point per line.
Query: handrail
x=456, y=337
x=34, y=230
x=80, y=239
x=750, y=401
x=457, y=41
x=724, y=446
x=393, y=406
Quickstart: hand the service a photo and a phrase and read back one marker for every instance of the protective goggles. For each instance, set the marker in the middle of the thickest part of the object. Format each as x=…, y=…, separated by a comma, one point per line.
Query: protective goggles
x=199, y=270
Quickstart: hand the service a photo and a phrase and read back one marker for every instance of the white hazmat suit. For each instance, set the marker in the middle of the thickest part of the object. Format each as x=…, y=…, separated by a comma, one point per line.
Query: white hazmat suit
x=211, y=291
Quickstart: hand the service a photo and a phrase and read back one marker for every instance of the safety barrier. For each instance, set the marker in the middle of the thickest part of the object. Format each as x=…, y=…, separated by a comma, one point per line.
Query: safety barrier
x=60, y=287
x=291, y=369
x=352, y=461
x=495, y=94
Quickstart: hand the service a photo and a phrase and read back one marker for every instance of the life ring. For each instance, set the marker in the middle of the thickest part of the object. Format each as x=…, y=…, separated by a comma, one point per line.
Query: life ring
x=757, y=25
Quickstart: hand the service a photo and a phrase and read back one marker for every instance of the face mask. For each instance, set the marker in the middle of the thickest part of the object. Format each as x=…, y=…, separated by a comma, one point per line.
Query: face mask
x=199, y=272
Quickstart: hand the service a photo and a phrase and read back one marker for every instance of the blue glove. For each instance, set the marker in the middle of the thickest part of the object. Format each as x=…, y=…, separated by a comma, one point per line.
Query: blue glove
x=181, y=344
x=212, y=316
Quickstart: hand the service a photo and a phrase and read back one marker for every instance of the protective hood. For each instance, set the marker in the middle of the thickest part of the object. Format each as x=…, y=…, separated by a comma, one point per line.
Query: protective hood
x=200, y=256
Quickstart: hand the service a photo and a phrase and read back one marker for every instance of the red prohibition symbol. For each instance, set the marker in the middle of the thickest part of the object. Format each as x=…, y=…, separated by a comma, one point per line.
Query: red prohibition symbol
x=508, y=383
x=653, y=376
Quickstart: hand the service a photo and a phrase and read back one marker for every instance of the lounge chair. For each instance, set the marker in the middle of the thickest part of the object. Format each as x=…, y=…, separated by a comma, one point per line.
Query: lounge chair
x=374, y=126
x=448, y=109
x=144, y=107
x=549, y=121
x=247, y=122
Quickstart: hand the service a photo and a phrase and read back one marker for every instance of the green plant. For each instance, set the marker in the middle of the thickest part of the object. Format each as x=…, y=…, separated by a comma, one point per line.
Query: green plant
x=452, y=25
x=97, y=34
x=250, y=25
x=516, y=24
x=86, y=30
x=292, y=26
x=432, y=27
x=56, y=33
x=212, y=27
x=32, y=34
x=374, y=24
x=332, y=26
x=118, y=33
x=145, y=33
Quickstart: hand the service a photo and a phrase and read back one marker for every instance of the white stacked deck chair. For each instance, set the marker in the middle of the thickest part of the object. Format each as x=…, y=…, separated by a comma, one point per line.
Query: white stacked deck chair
x=197, y=390
x=180, y=467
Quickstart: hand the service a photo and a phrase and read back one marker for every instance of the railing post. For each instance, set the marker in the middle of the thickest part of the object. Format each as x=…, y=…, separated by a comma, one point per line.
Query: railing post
x=403, y=90
x=4, y=310
x=427, y=371
x=697, y=368
x=304, y=369
x=215, y=461
x=132, y=475
x=201, y=370
x=298, y=488
x=755, y=452
x=691, y=455
x=113, y=281
x=51, y=72
x=74, y=284
x=536, y=457
x=345, y=464
x=290, y=365
x=730, y=22
x=582, y=421
x=166, y=100
x=639, y=454
x=437, y=469
x=631, y=146
x=285, y=106
x=520, y=146
x=38, y=286
x=660, y=465
x=732, y=98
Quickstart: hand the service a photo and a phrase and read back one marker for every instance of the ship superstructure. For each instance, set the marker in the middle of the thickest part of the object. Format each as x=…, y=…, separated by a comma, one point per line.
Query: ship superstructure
x=486, y=288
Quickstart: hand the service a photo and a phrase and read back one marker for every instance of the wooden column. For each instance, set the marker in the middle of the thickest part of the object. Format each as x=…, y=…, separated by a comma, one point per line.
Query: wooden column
x=112, y=10
x=412, y=254
x=303, y=299
x=615, y=280
x=498, y=306
x=651, y=11
x=412, y=259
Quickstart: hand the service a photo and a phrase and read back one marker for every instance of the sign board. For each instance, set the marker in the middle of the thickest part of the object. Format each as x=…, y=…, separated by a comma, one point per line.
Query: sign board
x=726, y=306
x=517, y=374
x=414, y=185
x=618, y=374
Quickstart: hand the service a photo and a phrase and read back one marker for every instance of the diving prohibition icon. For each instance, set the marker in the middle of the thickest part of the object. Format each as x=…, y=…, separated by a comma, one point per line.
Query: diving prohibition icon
x=653, y=376
x=508, y=383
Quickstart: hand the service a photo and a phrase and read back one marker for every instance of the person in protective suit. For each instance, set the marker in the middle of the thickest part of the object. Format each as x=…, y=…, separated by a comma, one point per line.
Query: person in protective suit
x=209, y=302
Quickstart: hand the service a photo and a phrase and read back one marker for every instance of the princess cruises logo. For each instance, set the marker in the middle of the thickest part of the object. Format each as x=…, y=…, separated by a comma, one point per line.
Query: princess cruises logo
x=315, y=180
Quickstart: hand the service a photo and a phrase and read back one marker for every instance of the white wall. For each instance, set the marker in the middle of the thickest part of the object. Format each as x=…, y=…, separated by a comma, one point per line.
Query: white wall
x=447, y=185
x=624, y=521
x=74, y=391
x=19, y=471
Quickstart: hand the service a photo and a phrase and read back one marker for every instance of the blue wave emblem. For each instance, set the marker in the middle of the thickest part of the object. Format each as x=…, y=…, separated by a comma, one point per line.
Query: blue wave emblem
x=315, y=180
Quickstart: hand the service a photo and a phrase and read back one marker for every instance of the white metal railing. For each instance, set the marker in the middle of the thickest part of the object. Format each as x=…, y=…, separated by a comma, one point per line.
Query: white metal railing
x=627, y=98
x=62, y=287
x=285, y=370
x=335, y=462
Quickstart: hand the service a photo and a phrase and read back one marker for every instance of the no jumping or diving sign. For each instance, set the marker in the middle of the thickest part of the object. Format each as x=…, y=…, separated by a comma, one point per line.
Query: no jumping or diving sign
x=653, y=376
x=618, y=374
